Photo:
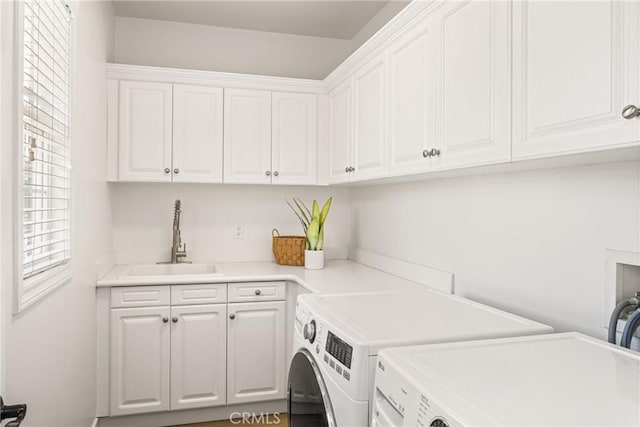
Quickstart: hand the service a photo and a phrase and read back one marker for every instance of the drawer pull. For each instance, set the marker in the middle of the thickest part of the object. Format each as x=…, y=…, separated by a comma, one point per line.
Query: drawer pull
x=165, y=319
x=232, y=316
x=258, y=292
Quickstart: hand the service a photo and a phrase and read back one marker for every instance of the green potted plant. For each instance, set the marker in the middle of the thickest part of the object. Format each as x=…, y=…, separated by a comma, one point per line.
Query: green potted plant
x=313, y=225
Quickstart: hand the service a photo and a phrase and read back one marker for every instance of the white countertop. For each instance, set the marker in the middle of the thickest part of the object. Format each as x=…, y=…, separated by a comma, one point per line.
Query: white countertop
x=338, y=276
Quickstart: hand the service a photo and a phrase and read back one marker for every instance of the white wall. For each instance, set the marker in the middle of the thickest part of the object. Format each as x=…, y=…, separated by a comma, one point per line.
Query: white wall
x=531, y=242
x=50, y=347
x=143, y=215
x=202, y=47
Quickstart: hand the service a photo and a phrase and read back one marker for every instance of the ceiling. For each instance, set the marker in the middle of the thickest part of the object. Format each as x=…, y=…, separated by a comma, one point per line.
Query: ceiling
x=326, y=18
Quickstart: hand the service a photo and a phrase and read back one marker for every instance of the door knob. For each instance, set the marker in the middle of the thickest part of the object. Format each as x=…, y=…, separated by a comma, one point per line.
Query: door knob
x=630, y=112
x=232, y=316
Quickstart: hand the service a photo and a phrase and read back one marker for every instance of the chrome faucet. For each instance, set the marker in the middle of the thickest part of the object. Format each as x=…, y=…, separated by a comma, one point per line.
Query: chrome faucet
x=178, y=250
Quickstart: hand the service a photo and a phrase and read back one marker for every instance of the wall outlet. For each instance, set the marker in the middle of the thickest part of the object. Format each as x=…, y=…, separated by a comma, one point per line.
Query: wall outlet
x=238, y=231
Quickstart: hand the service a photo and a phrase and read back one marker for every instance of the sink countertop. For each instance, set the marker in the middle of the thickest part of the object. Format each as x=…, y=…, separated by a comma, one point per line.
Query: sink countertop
x=338, y=276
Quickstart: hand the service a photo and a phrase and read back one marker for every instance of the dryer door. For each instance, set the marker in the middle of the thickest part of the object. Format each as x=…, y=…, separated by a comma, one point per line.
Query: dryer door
x=308, y=400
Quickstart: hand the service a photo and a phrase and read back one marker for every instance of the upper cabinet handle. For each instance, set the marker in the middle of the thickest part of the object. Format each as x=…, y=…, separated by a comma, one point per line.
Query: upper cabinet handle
x=167, y=170
x=176, y=171
x=268, y=173
x=434, y=152
x=276, y=173
x=630, y=112
x=425, y=153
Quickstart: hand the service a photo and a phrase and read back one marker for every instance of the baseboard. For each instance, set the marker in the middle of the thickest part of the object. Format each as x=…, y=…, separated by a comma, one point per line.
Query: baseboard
x=428, y=276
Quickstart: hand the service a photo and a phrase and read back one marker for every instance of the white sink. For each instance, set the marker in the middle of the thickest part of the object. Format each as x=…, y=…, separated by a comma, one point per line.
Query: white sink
x=159, y=270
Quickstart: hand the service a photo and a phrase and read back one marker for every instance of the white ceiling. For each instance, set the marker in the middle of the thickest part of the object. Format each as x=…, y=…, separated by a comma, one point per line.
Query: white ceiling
x=327, y=18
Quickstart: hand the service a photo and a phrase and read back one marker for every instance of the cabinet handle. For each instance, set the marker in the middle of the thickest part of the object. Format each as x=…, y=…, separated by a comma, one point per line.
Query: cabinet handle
x=346, y=169
x=426, y=153
x=174, y=319
x=268, y=173
x=434, y=152
x=258, y=292
x=167, y=170
x=353, y=169
x=176, y=171
x=232, y=316
x=165, y=319
x=630, y=112
x=276, y=173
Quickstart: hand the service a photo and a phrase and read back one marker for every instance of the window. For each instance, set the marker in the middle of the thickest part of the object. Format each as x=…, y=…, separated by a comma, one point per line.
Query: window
x=46, y=169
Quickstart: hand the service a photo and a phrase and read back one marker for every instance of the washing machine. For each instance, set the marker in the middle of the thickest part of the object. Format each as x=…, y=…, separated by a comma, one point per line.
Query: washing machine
x=337, y=339
x=556, y=380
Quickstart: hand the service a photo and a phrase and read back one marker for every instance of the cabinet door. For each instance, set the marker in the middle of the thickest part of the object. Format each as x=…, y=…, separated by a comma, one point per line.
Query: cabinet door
x=473, y=87
x=144, y=149
x=340, y=132
x=370, y=141
x=576, y=65
x=411, y=99
x=198, y=356
x=293, y=138
x=255, y=354
x=197, y=134
x=139, y=360
x=247, y=136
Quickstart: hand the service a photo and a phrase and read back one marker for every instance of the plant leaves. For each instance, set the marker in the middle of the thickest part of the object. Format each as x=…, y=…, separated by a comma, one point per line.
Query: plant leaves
x=304, y=206
x=306, y=218
x=312, y=234
x=316, y=211
x=320, y=244
x=304, y=224
x=325, y=211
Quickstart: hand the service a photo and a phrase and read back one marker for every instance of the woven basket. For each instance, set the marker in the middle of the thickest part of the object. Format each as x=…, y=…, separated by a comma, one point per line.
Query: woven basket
x=288, y=250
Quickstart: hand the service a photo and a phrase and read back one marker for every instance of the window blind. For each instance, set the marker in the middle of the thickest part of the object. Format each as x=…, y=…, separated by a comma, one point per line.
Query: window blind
x=46, y=176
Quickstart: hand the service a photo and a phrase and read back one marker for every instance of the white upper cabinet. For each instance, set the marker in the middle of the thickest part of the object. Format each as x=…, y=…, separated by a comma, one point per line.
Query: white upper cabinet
x=247, y=136
x=411, y=99
x=340, y=133
x=144, y=151
x=473, y=83
x=294, y=135
x=197, y=133
x=370, y=119
x=576, y=66
x=198, y=356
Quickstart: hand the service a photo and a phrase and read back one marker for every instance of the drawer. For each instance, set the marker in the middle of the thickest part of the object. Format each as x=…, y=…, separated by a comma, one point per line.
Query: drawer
x=199, y=294
x=257, y=291
x=140, y=296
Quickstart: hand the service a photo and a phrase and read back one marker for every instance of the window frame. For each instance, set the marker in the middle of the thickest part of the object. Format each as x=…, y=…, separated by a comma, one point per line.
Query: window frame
x=35, y=288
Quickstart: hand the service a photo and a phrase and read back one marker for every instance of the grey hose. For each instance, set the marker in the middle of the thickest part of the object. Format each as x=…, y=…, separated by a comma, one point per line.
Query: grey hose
x=613, y=322
x=633, y=322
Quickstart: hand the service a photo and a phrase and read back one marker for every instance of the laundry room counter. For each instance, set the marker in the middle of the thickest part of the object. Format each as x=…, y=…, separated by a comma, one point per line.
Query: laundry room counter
x=338, y=276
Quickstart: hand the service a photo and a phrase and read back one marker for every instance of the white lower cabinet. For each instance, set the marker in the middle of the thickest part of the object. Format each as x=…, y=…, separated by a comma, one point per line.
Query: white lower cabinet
x=139, y=360
x=198, y=356
x=171, y=356
x=256, y=354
